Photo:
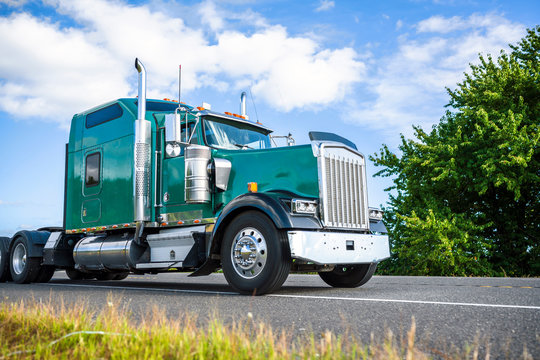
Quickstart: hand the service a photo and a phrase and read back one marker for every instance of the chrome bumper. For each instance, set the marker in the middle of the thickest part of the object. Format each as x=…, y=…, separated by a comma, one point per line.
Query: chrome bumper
x=338, y=247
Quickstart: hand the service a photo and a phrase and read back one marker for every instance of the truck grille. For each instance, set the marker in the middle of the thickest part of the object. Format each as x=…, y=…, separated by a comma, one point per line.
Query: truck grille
x=342, y=175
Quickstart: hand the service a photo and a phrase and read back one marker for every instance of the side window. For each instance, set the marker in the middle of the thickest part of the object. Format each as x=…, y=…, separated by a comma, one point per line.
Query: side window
x=93, y=166
x=191, y=128
x=100, y=116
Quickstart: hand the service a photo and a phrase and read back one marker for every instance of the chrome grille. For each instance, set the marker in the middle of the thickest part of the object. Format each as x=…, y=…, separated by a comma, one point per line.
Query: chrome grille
x=343, y=188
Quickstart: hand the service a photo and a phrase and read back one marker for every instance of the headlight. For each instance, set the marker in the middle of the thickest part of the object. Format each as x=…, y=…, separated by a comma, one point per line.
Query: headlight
x=375, y=214
x=304, y=206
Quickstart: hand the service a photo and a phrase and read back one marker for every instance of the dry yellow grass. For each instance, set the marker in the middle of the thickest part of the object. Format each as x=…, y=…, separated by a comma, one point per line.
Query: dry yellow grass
x=54, y=329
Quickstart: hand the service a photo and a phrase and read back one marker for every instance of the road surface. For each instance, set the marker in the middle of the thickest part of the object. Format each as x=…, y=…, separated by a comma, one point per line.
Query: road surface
x=449, y=312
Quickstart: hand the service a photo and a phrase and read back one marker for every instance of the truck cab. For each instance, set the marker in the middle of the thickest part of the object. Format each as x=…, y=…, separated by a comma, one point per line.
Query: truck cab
x=158, y=186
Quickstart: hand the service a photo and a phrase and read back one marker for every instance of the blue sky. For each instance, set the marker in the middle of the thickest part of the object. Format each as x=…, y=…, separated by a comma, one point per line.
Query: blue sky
x=367, y=70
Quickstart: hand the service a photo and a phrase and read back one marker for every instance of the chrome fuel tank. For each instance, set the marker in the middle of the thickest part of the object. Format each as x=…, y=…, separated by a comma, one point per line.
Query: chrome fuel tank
x=117, y=252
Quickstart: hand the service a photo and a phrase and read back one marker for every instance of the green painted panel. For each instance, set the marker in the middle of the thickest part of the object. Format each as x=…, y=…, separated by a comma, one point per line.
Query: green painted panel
x=291, y=169
x=91, y=211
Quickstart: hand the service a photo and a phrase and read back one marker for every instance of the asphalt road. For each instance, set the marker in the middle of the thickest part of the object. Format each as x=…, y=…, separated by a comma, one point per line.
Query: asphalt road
x=502, y=314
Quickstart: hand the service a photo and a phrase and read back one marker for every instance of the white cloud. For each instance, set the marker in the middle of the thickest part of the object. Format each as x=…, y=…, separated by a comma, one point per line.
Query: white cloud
x=14, y=3
x=440, y=24
x=399, y=24
x=325, y=5
x=58, y=71
x=408, y=87
x=210, y=17
x=53, y=71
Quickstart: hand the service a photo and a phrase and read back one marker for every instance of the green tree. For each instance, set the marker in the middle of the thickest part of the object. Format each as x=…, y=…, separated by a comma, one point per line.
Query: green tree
x=466, y=197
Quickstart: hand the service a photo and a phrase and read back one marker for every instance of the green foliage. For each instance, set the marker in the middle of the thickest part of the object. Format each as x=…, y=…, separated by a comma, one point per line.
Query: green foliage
x=467, y=195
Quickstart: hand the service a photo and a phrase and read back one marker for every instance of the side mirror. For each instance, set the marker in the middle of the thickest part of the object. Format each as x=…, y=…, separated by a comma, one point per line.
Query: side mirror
x=173, y=134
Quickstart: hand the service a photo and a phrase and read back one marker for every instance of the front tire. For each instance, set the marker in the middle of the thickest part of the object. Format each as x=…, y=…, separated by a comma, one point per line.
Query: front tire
x=255, y=256
x=349, y=276
x=24, y=269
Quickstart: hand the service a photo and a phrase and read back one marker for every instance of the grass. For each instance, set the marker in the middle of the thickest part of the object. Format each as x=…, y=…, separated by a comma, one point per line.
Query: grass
x=54, y=329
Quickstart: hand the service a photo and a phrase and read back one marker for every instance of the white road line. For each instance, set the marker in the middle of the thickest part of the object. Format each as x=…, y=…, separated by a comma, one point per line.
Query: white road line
x=406, y=301
x=304, y=296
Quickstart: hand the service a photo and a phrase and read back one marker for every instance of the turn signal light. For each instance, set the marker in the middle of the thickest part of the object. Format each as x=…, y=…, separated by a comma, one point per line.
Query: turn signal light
x=252, y=187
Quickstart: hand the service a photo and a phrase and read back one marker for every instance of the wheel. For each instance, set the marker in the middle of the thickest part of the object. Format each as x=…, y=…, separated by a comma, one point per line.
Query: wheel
x=46, y=273
x=255, y=256
x=75, y=274
x=5, y=275
x=121, y=276
x=24, y=269
x=104, y=276
x=349, y=276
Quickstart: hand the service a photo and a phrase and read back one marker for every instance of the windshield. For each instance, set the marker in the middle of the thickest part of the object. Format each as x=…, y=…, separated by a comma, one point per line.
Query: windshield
x=230, y=135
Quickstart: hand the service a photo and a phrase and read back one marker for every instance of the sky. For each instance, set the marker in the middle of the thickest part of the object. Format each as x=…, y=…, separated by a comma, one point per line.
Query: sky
x=366, y=70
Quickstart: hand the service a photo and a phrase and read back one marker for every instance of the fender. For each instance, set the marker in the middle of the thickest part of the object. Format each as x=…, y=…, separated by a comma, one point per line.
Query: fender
x=269, y=203
x=36, y=241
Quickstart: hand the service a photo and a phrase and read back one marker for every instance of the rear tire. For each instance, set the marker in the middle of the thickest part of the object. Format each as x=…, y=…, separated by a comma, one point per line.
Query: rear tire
x=121, y=276
x=349, y=276
x=5, y=275
x=24, y=269
x=73, y=274
x=105, y=276
x=46, y=273
x=255, y=256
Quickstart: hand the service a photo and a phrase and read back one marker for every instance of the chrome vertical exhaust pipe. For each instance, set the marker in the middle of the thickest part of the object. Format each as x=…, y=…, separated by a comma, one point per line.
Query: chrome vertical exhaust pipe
x=243, y=104
x=142, y=149
x=142, y=89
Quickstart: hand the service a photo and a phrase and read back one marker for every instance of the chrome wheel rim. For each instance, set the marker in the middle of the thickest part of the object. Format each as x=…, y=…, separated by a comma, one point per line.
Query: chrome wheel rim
x=248, y=253
x=19, y=259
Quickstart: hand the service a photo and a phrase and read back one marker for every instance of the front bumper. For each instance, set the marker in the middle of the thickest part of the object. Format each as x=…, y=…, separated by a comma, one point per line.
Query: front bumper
x=338, y=247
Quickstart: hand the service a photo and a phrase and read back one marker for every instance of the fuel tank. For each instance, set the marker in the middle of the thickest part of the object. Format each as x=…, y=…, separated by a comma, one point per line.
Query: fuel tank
x=115, y=252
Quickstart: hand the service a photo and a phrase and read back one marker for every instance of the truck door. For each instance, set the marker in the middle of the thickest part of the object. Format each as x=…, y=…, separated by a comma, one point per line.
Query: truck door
x=92, y=185
x=173, y=192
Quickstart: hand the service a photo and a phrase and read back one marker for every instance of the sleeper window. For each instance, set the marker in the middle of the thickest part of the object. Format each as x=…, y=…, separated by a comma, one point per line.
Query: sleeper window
x=92, y=169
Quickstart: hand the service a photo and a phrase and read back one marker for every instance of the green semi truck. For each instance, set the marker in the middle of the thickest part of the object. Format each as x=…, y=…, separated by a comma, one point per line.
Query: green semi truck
x=159, y=186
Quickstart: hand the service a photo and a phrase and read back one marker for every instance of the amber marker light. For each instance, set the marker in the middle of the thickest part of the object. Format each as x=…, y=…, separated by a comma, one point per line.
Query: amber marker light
x=196, y=221
x=163, y=224
x=252, y=187
x=180, y=222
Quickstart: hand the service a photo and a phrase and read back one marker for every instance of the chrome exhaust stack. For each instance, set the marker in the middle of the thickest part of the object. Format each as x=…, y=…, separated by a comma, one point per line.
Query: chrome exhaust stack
x=142, y=150
x=243, y=104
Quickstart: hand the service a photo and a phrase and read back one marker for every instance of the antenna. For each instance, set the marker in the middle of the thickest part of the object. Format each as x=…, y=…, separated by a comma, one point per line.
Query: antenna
x=256, y=115
x=179, y=83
